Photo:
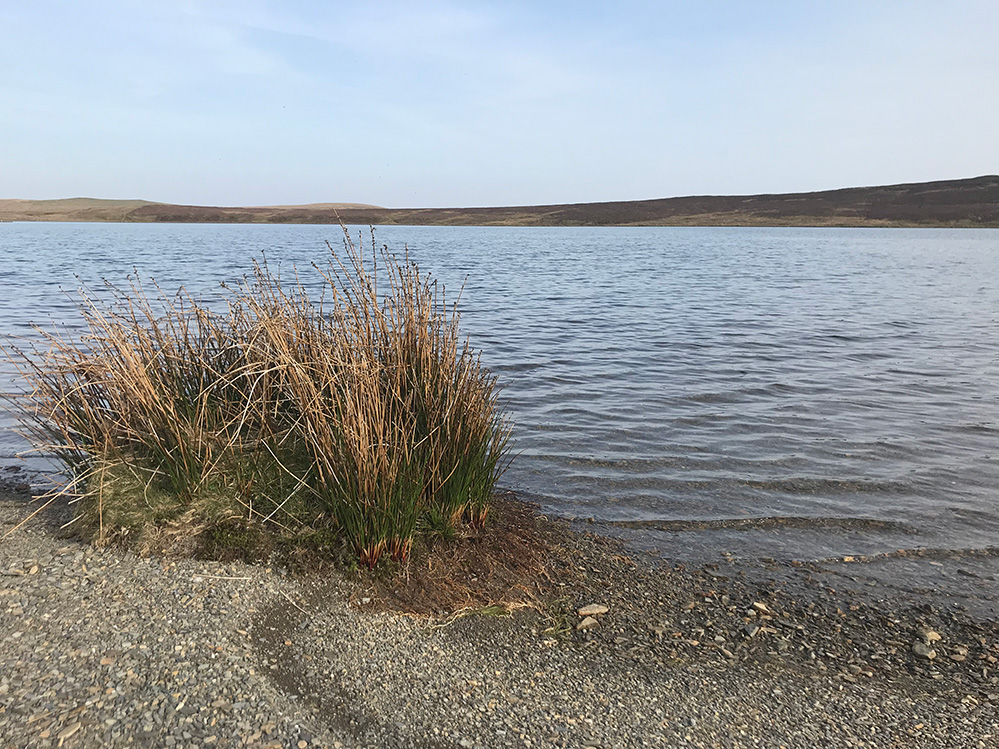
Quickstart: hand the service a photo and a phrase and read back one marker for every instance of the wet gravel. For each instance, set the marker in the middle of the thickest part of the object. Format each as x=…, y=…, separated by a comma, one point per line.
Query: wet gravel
x=104, y=648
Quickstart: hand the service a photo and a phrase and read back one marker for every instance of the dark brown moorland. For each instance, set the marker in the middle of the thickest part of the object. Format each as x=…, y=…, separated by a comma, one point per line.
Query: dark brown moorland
x=951, y=203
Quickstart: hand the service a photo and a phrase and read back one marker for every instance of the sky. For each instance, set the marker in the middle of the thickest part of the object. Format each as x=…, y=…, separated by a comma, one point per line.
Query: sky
x=435, y=104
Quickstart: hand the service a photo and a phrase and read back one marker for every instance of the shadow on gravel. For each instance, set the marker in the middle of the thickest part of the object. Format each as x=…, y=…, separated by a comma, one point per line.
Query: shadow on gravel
x=339, y=709
x=498, y=570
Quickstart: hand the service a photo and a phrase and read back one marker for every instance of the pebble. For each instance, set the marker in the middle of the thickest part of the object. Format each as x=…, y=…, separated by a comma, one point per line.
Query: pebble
x=68, y=731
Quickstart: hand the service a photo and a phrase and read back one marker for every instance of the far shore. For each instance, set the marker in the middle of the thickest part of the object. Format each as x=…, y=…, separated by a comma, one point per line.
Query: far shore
x=962, y=203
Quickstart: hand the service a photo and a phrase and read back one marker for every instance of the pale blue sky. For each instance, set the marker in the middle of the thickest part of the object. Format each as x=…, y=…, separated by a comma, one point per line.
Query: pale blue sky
x=404, y=104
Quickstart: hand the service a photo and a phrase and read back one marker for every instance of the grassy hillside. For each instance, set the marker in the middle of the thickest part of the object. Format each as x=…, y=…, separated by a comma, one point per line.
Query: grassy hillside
x=93, y=209
x=963, y=203
x=69, y=209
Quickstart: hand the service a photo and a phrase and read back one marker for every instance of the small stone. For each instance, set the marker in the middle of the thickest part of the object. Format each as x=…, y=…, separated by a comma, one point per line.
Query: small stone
x=587, y=623
x=68, y=731
x=303, y=744
x=931, y=636
x=921, y=648
x=761, y=607
x=594, y=609
x=751, y=630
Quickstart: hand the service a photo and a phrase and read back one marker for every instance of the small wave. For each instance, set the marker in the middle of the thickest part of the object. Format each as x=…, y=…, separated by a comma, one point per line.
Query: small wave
x=843, y=337
x=825, y=486
x=922, y=552
x=976, y=428
x=736, y=524
x=917, y=373
x=516, y=367
x=725, y=397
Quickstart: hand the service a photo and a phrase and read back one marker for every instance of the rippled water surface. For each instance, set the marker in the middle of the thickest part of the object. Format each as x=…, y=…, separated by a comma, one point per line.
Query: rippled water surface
x=770, y=392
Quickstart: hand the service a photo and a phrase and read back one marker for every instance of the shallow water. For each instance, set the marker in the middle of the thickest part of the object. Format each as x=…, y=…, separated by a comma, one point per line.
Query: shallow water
x=768, y=392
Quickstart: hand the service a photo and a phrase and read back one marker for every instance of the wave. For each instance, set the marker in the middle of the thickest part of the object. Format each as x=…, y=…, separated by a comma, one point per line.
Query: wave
x=761, y=523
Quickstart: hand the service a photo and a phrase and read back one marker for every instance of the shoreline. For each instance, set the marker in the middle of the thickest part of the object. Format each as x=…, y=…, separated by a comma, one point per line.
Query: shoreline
x=729, y=654
x=940, y=203
x=695, y=222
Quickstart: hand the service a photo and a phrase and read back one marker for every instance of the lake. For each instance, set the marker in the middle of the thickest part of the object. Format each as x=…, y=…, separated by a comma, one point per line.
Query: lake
x=789, y=393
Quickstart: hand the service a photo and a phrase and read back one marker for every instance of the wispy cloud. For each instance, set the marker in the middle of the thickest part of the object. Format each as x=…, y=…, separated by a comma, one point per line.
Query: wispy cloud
x=445, y=102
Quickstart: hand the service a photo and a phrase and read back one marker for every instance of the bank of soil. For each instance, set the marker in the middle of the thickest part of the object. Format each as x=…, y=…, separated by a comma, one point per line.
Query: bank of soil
x=102, y=647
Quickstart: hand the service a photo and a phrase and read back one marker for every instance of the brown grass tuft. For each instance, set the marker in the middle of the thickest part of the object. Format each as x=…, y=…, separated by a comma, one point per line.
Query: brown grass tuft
x=364, y=411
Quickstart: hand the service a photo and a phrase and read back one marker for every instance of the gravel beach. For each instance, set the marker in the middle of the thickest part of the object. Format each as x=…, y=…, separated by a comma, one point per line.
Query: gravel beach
x=104, y=648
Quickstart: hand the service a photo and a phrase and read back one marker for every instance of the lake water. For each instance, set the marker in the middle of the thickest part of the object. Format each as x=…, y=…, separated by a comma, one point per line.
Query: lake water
x=794, y=393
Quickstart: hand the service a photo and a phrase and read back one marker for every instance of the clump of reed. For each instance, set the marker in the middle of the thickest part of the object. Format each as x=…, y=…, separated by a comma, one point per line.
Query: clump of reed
x=363, y=409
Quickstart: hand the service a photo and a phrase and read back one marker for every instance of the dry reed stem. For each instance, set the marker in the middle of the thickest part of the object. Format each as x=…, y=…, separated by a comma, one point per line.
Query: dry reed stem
x=367, y=407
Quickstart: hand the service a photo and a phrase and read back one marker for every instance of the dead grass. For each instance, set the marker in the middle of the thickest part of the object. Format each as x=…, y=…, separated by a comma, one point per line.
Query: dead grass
x=363, y=410
x=501, y=567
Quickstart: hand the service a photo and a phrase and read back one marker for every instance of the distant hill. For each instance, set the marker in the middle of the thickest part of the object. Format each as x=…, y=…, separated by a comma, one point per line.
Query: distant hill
x=69, y=209
x=94, y=209
x=958, y=203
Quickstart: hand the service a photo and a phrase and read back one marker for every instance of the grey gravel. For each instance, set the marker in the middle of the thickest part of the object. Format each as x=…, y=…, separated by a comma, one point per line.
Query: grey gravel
x=104, y=648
